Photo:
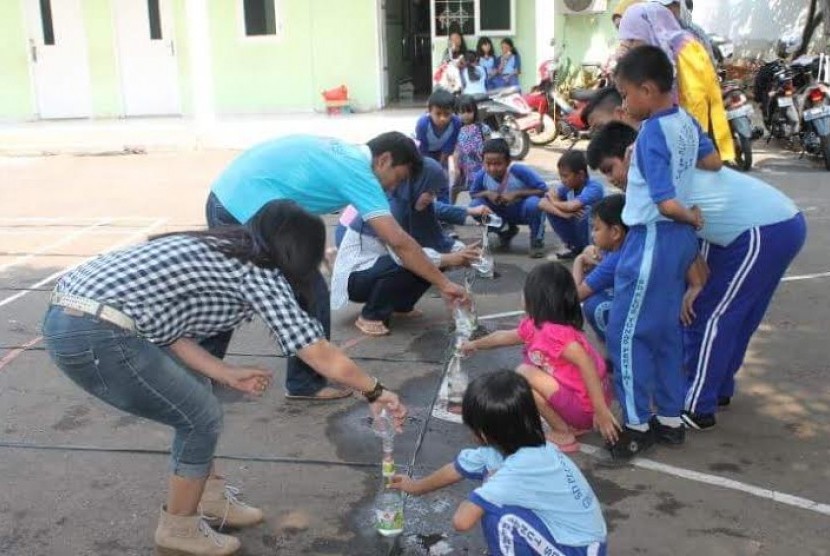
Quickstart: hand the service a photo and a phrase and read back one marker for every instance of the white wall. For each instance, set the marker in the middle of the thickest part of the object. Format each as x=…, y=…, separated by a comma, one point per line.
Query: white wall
x=754, y=25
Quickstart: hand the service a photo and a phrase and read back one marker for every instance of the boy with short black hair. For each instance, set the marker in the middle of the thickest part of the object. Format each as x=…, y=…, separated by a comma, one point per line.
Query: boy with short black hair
x=644, y=334
x=513, y=191
x=437, y=130
x=594, y=269
x=569, y=207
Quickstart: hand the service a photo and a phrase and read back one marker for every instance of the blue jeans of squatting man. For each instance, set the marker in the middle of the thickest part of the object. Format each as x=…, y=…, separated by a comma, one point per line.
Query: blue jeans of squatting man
x=141, y=378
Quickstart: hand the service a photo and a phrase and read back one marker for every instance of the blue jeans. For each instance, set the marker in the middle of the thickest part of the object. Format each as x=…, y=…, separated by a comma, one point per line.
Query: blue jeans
x=300, y=379
x=386, y=288
x=137, y=376
x=525, y=211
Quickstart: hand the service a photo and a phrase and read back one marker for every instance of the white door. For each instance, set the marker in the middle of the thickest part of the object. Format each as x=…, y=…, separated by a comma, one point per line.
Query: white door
x=147, y=57
x=58, y=55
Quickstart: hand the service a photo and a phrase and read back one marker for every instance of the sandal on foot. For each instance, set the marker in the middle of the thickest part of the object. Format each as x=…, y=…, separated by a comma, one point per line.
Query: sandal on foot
x=326, y=394
x=413, y=314
x=371, y=327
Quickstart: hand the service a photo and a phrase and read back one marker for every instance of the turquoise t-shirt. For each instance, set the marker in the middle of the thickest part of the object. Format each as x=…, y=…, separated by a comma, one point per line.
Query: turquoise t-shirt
x=320, y=174
x=732, y=203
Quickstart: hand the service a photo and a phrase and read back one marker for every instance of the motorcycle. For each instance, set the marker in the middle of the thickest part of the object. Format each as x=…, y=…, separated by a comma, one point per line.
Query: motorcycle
x=560, y=117
x=814, y=133
x=778, y=103
x=739, y=113
x=510, y=117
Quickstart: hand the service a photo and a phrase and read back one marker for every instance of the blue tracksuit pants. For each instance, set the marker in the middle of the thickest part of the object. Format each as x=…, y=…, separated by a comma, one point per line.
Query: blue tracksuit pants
x=743, y=278
x=575, y=233
x=523, y=212
x=644, y=335
x=596, y=309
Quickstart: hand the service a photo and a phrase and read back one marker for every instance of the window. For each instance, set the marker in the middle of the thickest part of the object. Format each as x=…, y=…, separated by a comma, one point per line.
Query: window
x=154, y=15
x=260, y=17
x=475, y=17
x=46, y=22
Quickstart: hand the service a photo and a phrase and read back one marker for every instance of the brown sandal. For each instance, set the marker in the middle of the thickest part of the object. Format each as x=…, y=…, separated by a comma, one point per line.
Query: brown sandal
x=413, y=314
x=371, y=327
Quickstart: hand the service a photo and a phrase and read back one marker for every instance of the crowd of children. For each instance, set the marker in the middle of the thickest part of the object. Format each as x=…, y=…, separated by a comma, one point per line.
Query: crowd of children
x=478, y=71
x=674, y=277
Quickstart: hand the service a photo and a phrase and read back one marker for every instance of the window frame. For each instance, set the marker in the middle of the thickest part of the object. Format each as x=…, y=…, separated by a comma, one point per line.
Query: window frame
x=279, y=24
x=478, y=31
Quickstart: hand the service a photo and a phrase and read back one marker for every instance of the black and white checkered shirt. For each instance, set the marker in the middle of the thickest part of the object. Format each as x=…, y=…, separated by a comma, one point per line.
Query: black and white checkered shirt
x=179, y=287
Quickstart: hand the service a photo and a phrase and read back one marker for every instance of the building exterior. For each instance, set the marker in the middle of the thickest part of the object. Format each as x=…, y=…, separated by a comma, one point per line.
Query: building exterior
x=203, y=58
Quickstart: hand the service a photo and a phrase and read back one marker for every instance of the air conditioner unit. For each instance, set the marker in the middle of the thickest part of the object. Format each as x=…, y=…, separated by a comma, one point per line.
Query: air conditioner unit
x=585, y=7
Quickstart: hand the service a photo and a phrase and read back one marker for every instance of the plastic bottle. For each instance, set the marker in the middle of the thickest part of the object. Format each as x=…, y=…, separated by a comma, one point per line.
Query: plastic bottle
x=385, y=428
x=389, y=511
x=457, y=381
x=466, y=320
x=485, y=265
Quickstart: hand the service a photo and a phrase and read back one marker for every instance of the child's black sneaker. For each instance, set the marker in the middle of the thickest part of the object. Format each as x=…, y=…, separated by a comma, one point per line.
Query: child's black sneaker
x=506, y=236
x=699, y=421
x=537, y=249
x=664, y=434
x=630, y=443
x=724, y=401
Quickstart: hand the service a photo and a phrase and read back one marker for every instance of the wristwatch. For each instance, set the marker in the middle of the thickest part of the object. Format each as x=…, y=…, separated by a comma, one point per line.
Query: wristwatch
x=373, y=394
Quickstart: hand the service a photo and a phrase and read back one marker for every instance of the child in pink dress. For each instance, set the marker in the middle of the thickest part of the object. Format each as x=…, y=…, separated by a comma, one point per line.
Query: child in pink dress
x=567, y=375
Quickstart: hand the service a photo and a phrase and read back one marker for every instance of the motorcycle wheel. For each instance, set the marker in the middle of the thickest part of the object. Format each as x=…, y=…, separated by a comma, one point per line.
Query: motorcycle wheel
x=520, y=145
x=743, y=152
x=825, y=149
x=545, y=135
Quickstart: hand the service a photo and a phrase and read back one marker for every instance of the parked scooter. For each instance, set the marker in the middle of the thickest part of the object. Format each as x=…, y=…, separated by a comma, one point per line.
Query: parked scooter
x=814, y=104
x=560, y=117
x=778, y=108
x=508, y=115
x=739, y=113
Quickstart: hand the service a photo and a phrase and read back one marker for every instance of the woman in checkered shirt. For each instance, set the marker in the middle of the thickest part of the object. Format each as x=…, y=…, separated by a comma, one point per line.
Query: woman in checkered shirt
x=125, y=328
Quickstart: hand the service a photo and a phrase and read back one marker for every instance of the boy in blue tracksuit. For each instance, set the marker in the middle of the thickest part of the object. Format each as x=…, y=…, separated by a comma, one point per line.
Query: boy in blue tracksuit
x=513, y=191
x=644, y=334
x=751, y=234
x=569, y=207
x=437, y=130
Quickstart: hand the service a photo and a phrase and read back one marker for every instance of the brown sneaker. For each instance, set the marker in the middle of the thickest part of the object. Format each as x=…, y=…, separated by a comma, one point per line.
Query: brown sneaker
x=220, y=506
x=178, y=535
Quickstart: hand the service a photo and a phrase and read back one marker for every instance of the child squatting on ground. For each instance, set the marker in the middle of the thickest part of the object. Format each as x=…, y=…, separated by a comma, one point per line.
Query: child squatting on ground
x=534, y=500
x=567, y=375
x=644, y=334
x=437, y=130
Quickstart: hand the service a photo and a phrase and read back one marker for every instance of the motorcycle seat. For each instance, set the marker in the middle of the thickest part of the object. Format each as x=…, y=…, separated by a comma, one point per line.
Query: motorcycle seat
x=481, y=97
x=504, y=92
x=584, y=94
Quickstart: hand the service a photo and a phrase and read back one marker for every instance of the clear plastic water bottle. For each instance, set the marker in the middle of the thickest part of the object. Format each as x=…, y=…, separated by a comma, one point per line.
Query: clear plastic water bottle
x=493, y=221
x=457, y=381
x=389, y=511
x=384, y=427
x=485, y=265
x=465, y=320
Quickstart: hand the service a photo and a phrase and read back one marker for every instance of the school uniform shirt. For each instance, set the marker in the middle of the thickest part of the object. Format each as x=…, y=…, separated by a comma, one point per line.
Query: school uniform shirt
x=601, y=278
x=590, y=194
x=433, y=141
x=668, y=147
x=732, y=203
x=320, y=174
x=477, y=86
x=544, y=347
x=536, y=496
x=488, y=65
x=181, y=287
x=517, y=177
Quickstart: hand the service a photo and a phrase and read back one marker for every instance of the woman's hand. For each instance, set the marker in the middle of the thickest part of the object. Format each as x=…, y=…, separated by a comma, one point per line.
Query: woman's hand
x=389, y=400
x=249, y=380
x=607, y=424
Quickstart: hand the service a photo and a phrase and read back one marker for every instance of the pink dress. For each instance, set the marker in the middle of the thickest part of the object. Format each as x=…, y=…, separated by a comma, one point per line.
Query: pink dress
x=543, y=349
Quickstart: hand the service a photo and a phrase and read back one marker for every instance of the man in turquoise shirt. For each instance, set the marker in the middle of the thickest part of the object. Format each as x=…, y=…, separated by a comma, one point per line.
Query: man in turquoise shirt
x=323, y=175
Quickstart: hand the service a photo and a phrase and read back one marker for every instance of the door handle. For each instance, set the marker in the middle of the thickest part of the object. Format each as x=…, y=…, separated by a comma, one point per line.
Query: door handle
x=172, y=48
x=33, y=50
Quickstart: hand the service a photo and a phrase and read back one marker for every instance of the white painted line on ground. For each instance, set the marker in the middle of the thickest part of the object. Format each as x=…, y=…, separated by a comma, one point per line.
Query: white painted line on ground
x=723, y=482
x=806, y=277
x=63, y=241
x=502, y=315
x=130, y=240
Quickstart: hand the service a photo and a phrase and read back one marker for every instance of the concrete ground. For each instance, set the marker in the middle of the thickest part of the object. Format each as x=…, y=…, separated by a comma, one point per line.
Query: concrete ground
x=80, y=478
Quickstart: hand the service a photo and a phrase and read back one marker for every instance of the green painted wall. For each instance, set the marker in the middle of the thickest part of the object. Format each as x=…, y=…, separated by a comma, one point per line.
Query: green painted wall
x=324, y=44
x=586, y=38
x=16, y=96
x=101, y=50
